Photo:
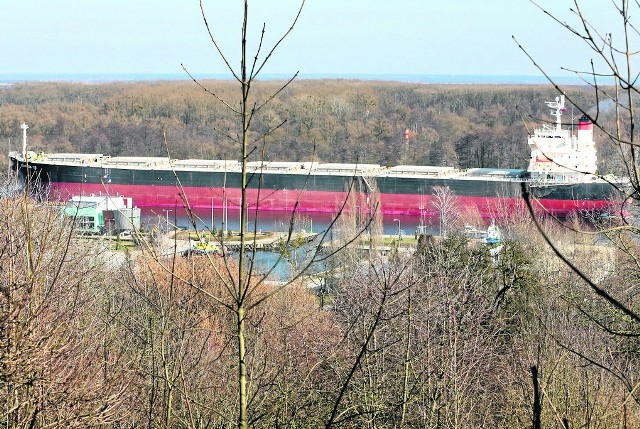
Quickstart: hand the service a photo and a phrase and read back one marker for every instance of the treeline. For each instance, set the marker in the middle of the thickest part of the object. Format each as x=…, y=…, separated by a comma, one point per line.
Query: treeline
x=331, y=120
x=443, y=337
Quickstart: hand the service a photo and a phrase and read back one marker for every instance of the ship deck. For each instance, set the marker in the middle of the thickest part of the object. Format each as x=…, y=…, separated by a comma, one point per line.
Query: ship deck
x=101, y=161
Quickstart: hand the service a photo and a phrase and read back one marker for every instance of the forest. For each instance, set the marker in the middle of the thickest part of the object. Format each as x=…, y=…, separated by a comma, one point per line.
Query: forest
x=327, y=120
x=439, y=335
x=542, y=333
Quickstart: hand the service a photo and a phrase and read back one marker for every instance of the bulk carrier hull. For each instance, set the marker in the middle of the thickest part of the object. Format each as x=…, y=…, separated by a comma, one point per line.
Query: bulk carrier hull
x=561, y=178
x=157, y=182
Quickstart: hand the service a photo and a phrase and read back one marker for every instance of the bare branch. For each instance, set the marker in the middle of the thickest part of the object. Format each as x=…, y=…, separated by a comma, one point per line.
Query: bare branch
x=215, y=42
x=599, y=291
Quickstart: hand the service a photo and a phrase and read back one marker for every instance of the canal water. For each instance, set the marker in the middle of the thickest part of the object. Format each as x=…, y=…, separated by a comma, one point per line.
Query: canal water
x=162, y=219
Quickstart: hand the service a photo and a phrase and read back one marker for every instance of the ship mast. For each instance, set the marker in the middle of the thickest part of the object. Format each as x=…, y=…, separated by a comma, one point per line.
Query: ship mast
x=559, y=156
x=557, y=107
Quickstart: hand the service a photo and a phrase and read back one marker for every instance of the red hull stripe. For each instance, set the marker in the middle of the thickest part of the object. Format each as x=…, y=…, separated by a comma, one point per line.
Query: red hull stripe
x=313, y=201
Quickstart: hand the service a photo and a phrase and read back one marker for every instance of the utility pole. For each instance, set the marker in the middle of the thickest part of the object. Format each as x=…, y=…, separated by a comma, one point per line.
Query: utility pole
x=24, y=128
x=167, y=212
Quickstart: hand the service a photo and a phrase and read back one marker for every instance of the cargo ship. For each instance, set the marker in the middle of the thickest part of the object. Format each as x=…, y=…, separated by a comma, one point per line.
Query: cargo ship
x=561, y=177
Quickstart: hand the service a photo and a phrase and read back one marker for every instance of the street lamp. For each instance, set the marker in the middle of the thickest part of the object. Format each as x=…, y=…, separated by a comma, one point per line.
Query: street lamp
x=399, y=230
x=225, y=215
x=167, y=211
x=213, y=228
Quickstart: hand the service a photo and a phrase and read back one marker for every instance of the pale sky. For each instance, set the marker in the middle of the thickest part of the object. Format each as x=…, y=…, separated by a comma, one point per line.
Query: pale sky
x=338, y=37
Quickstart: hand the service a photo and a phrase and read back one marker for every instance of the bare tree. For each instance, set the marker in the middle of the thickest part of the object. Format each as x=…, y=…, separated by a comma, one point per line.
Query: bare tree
x=613, y=81
x=445, y=203
x=239, y=286
x=55, y=365
x=425, y=338
x=244, y=292
x=614, y=315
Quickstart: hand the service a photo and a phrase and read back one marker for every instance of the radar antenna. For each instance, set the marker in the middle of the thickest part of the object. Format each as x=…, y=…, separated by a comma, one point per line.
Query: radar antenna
x=557, y=107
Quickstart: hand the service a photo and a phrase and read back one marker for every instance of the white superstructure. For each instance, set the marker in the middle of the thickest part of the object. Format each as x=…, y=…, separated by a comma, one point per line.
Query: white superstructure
x=559, y=156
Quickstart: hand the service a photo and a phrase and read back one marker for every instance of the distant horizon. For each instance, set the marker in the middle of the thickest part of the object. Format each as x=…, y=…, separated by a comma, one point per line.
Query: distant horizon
x=404, y=40
x=489, y=79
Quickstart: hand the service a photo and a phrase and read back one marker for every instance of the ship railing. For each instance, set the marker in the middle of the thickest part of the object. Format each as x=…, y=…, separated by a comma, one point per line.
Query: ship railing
x=423, y=174
x=70, y=158
x=550, y=132
x=280, y=166
x=209, y=164
x=422, y=171
x=348, y=169
x=136, y=161
x=561, y=179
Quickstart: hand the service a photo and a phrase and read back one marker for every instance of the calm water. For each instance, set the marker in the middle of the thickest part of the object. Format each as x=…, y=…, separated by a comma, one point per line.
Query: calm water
x=267, y=221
